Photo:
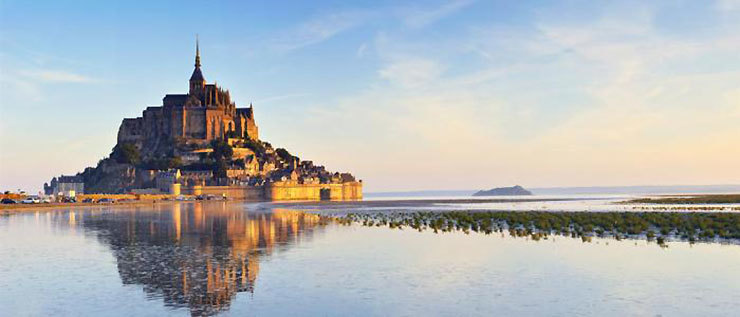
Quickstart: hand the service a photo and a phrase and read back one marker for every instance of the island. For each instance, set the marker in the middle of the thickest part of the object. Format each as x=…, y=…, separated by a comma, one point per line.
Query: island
x=504, y=191
x=201, y=144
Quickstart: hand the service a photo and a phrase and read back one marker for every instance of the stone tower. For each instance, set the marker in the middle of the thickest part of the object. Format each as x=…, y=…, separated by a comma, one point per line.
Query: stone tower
x=197, y=81
x=205, y=113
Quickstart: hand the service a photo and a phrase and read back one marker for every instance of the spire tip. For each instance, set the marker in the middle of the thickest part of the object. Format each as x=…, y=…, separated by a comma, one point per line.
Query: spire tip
x=197, y=51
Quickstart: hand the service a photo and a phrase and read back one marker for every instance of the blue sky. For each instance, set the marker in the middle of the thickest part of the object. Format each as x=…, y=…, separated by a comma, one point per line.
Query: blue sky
x=439, y=95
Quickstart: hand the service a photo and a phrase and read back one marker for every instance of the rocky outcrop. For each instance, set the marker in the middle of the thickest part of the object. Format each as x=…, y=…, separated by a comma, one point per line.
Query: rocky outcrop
x=112, y=177
x=504, y=191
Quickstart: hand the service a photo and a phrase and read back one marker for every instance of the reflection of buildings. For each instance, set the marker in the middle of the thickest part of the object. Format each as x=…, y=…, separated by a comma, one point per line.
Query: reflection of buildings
x=194, y=255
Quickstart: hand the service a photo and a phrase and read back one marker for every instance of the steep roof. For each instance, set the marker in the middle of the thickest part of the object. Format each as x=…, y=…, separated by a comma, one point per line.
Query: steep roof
x=247, y=112
x=197, y=75
x=174, y=99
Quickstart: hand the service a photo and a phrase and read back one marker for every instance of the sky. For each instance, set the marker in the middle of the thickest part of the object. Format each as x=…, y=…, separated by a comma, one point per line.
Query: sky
x=405, y=95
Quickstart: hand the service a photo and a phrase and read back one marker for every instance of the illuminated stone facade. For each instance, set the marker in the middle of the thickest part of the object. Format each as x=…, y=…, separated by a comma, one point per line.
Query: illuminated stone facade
x=205, y=113
x=193, y=132
x=281, y=191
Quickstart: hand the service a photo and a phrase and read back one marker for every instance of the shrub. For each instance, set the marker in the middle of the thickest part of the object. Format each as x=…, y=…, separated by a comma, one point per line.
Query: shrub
x=126, y=153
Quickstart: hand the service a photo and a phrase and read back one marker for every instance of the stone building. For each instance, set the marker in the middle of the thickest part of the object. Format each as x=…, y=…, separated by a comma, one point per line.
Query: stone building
x=205, y=113
x=174, y=149
x=65, y=185
x=165, y=180
x=196, y=178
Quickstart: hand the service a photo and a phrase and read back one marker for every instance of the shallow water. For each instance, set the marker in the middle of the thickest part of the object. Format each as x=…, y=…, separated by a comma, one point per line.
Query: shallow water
x=565, y=203
x=260, y=259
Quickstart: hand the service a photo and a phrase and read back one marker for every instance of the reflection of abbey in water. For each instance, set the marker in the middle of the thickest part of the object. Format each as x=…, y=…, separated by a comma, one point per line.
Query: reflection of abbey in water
x=191, y=257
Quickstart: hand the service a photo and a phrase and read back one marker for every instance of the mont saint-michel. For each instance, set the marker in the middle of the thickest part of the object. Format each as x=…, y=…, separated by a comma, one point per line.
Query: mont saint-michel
x=370, y=158
x=201, y=143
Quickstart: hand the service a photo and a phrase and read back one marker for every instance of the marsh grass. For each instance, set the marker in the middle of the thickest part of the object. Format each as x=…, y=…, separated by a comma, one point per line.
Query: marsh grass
x=539, y=225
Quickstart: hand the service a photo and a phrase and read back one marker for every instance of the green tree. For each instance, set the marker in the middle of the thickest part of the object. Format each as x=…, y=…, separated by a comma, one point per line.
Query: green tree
x=219, y=169
x=126, y=153
x=240, y=162
x=221, y=150
x=284, y=154
x=174, y=162
x=256, y=146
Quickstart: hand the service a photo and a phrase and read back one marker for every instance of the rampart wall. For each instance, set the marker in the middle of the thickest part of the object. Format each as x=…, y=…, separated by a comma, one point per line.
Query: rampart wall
x=282, y=191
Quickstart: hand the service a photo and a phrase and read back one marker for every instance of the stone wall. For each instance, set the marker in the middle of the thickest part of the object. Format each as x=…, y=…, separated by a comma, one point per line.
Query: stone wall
x=292, y=191
x=232, y=192
x=252, y=130
x=282, y=191
x=195, y=125
x=352, y=191
x=158, y=124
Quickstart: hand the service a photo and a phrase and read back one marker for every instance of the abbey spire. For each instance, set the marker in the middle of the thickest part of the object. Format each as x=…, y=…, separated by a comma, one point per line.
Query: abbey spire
x=197, y=81
x=197, y=53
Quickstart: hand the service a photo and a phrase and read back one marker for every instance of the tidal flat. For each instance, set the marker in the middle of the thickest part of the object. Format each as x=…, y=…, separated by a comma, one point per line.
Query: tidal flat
x=236, y=258
x=658, y=226
x=695, y=199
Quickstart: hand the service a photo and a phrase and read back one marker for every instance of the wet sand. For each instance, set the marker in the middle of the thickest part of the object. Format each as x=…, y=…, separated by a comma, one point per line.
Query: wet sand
x=415, y=202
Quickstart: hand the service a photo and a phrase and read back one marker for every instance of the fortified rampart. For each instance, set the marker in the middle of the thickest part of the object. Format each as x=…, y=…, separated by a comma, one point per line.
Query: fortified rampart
x=282, y=191
x=294, y=191
x=231, y=192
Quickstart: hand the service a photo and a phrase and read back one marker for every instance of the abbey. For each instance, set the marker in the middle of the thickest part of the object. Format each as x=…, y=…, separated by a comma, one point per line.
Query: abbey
x=200, y=143
x=205, y=113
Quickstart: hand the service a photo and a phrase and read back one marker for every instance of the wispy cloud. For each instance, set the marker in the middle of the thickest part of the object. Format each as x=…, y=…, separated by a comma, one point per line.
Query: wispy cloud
x=28, y=85
x=728, y=5
x=361, y=50
x=320, y=29
x=56, y=76
x=411, y=72
x=424, y=17
x=327, y=26
x=612, y=91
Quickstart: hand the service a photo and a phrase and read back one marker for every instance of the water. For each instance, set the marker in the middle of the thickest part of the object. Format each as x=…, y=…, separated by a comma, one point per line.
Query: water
x=570, y=203
x=262, y=259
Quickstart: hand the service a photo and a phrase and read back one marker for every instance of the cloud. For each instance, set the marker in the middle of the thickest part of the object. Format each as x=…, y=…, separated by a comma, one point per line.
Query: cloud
x=320, y=29
x=411, y=72
x=727, y=5
x=611, y=100
x=326, y=26
x=27, y=85
x=56, y=76
x=361, y=50
x=421, y=18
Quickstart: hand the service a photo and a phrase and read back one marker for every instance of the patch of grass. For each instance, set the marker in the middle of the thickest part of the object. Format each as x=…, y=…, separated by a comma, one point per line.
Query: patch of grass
x=585, y=225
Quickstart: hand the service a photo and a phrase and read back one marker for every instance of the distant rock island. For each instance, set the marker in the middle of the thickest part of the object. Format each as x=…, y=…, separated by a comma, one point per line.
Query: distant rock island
x=504, y=191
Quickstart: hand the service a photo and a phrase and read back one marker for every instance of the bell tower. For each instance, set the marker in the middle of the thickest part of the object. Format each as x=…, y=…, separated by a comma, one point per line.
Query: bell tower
x=197, y=82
